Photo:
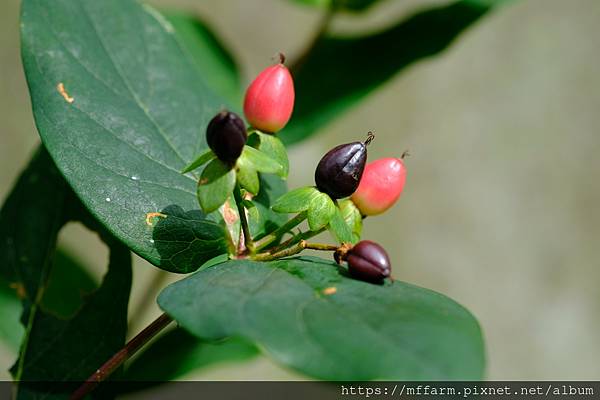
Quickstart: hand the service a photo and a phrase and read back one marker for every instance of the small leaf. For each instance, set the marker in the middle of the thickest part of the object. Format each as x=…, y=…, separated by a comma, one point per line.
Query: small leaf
x=200, y=161
x=260, y=161
x=272, y=187
x=320, y=211
x=339, y=228
x=362, y=331
x=296, y=200
x=353, y=218
x=215, y=185
x=271, y=146
x=247, y=176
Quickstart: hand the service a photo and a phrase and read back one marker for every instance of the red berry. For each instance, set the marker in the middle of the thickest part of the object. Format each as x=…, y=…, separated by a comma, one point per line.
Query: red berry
x=369, y=262
x=269, y=99
x=380, y=186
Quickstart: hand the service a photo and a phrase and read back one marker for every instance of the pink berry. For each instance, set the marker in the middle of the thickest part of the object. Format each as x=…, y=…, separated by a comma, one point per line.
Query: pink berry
x=380, y=186
x=270, y=98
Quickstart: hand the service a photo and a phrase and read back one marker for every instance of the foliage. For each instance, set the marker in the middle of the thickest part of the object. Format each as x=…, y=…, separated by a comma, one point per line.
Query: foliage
x=121, y=95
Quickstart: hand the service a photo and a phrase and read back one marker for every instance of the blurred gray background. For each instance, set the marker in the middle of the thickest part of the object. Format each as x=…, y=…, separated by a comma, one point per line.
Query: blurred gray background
x=501, y=210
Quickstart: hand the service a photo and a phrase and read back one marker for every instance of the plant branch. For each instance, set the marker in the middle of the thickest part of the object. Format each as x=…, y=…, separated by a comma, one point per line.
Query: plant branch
x=295, y=239
x=293, y=250
x=237, y=194
x=279, y=232
x=121, y=356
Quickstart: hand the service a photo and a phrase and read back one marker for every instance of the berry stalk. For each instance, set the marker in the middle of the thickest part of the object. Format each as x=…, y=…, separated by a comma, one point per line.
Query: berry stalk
x=248, y=242
x=303, y=244
x=279, y=232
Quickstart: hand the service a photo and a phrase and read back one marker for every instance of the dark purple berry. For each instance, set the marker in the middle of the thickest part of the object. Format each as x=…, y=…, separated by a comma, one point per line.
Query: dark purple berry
x=226, y=136
x=339, y=171
x=368, y=261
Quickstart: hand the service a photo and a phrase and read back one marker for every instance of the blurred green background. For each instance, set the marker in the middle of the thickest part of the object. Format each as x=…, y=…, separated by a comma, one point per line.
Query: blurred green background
x=502, y=205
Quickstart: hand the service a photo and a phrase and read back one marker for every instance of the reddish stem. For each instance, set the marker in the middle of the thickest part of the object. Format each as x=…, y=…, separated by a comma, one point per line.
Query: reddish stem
x=121, y=356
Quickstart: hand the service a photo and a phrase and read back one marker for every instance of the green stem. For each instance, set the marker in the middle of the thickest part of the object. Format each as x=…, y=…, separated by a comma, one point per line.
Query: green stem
x=290, y=251
x=248, y=243
x=279, y=232
x=295, y=239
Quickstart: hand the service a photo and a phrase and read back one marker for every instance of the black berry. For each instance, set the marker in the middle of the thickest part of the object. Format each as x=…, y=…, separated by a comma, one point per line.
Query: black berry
x=339, y=171
x=368, y=261
x=226, y=136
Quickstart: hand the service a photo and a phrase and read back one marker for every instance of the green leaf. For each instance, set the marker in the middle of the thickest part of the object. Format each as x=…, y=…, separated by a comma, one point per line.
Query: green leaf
x=210, y=55
x=261, y=161
x=200, y=161
x=296, y=200
x=30, y=219
x=272, y=188
x=247, y=176
x=340, y=229
x=138, y=113
x=360, y=332
x=61, y=342
x=271, y=146
x=11, y=331
x=186, y=239
x=341, y=71
x=178, y=353
x=64, y=352
x=353, y=218
x=215, y=185
x=68, y=286
x=320, y=211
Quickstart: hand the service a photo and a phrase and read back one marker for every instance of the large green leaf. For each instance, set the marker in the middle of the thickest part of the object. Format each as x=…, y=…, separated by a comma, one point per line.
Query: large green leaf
x=64, y=352
x=341, y=71
x=64, y=339
x=178, y=353
x=30, y=219
x=66, y=288
x=307, y=314
x=121, y=107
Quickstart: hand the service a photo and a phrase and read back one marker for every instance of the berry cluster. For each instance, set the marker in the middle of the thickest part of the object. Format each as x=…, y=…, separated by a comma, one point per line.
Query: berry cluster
x=347, y=188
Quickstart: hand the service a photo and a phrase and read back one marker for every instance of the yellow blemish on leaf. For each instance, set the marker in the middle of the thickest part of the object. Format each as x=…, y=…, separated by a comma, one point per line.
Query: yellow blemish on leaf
x=229, y=214
x=151, y=215
x=63, y=92
x=19, y=288
x=329, y=291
